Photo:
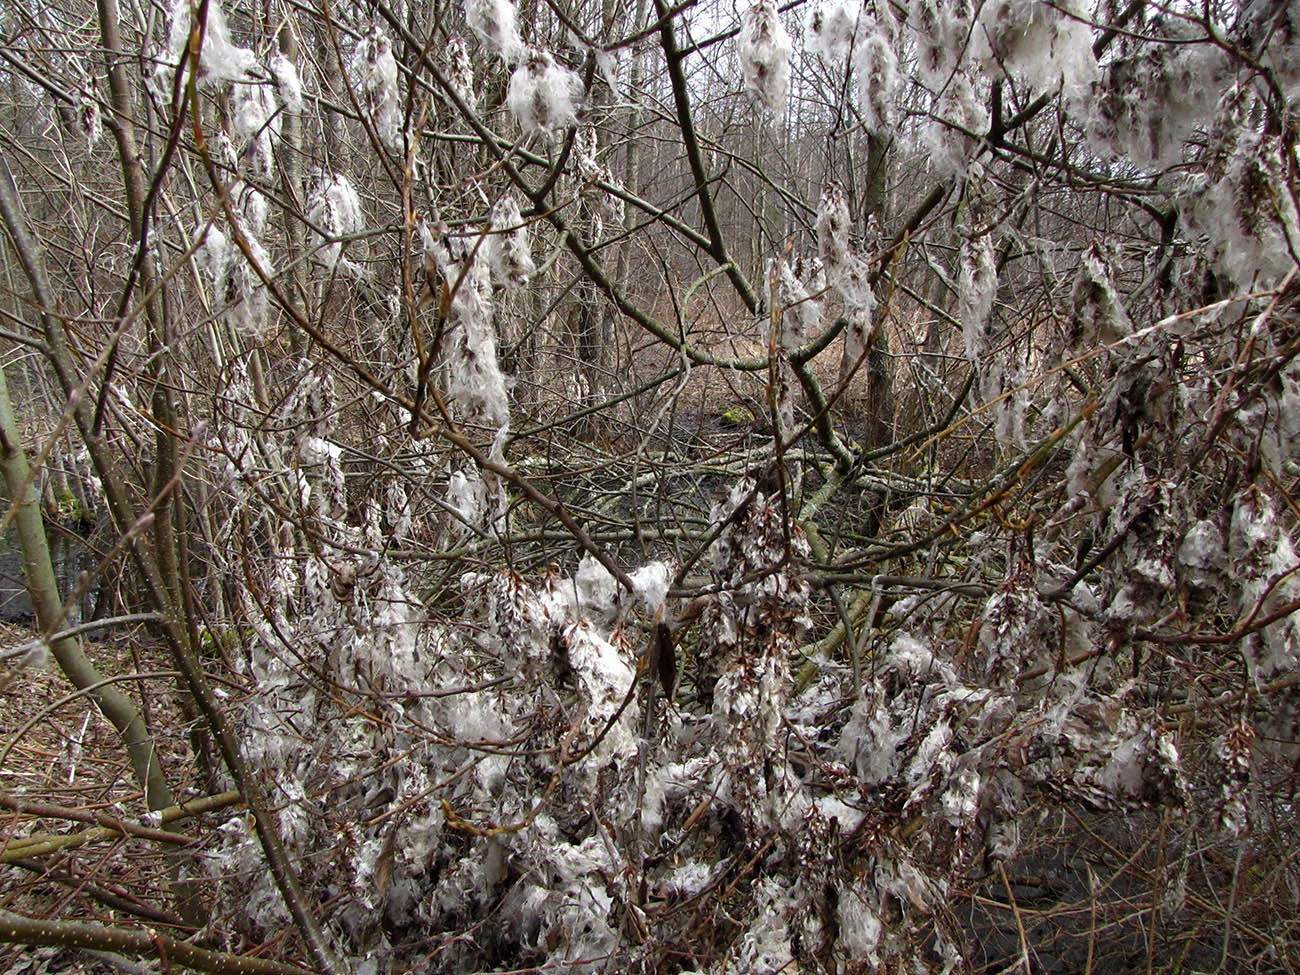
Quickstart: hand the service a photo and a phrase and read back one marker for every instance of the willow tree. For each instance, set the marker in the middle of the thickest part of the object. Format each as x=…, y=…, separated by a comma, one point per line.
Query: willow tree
x=722, y=684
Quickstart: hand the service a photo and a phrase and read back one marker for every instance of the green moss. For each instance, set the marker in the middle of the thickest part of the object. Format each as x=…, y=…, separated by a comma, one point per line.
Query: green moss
x=736, y=416
x=218, y=640
x=69, y=507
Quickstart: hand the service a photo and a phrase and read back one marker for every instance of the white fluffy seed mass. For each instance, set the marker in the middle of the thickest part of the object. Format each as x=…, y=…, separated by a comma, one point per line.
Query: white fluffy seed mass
x=942, y=31
x=544, y=96
x=256, y=124
x=958, y=122
x=494, y=22
x=335, y=209
x=877, y=82
x=977, y=287
x=219, y=59
x=461, y=73
x=801, y=309
x=372, y=72
x=833, y=226
x=512, y=264
x=829, y=30
x=288, y=83
x=765, y=55
x=1041, y=45
x=237, y=290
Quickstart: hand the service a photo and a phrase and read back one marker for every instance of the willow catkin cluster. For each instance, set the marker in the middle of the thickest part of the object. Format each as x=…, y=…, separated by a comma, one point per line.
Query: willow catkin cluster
x=764, y=48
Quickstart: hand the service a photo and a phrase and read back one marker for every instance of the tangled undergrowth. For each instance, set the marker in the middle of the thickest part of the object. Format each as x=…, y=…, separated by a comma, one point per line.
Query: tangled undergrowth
x=491, y=653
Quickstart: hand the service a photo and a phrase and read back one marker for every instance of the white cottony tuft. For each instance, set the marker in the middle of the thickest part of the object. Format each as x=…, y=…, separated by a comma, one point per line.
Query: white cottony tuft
x=833, y=225
x=288, y=83
x=256, y=124
x=584, y=154
x=590, y=168
x=877, y=82
x=223, y=152
x=848, y=272
x=251, y=203
x=959, y=121
x=607, y=64
x=801, y=308
x=650, y=583
x=943, y=28
x=765, y=945
x=876, y=62
x=219, y=59
x=90, y=120
x=1147, y=104
x=88, y=124
x=372, y=73
x=495, y=24
x=467, y=496
x=334, y=208
x=512, y=264
x=605, y=675
x=1203, y=555
x=461, y=73
x=317, y=451
x=1243, y=206
x=765, y=55
x=213, y=250
x=852, y=280
x=594, y=589
x=977, y=286
x=830, y=29
x=1263, y=557
x=1045, y=46
x=543, y=95
x=237, y=289
x=878, y=18
x=476, y=382
x=1099, y=315
x=1001, y=384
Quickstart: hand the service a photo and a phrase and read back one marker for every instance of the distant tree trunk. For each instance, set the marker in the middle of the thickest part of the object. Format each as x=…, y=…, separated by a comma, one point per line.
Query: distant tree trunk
x=880, y=405
x=880, y=391
x=587, y=326
x=290, y=166
x=631, y=174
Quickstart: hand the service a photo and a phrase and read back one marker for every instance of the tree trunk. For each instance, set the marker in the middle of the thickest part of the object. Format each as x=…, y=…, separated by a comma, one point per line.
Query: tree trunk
x=879, y=426
x=43, y=588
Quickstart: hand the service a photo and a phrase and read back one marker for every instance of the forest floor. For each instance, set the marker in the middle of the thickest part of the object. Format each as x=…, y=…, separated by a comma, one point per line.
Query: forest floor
x=56, y=748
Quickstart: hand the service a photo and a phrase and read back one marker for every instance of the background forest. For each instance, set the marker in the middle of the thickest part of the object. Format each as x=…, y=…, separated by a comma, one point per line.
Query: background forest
x=631, y=487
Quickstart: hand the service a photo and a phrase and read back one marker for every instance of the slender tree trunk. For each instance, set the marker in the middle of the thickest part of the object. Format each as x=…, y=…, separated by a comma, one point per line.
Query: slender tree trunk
x=290, y=167
x=880, y=407
x=43, y=588
x=172, y=628
x=585, y=324
x=169, y=546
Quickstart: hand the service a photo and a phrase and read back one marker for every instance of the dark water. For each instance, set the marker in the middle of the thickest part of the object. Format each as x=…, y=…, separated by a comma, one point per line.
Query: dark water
x=69, y=556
